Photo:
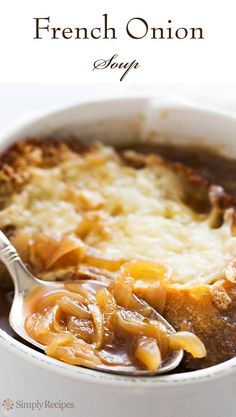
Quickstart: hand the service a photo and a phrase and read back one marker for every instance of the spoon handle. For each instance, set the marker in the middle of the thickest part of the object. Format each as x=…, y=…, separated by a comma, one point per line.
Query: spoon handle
x=21, y=277
x=8, y=253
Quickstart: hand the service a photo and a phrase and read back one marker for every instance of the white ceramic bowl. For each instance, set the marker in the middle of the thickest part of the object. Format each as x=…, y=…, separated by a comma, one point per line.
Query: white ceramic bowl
x=28, y=376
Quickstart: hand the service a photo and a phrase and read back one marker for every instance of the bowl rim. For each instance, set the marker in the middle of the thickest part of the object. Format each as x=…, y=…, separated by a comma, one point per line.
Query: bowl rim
x=39, y=359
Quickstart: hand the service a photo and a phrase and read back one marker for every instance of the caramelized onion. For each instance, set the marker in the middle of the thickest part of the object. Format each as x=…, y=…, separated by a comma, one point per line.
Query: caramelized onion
x=58, y=318
x=148, y=353
x=110, y=326
x=98, y=259
x=48, y=299
x=38, y=326
x=81, y=328
x=189, y=342
x=108, y=307
x=137, y=325
x=98, y=324
x=87, y=295
x=151, y=280
x=68, y=348
x=146, y=271
x=73, y=307
x=51, y=252
x=123, y=290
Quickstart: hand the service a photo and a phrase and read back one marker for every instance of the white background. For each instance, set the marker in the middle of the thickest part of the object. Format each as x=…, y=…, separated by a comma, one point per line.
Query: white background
x=162, y=61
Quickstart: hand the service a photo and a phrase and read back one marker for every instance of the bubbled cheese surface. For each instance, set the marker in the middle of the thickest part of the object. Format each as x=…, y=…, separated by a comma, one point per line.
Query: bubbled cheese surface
x=136, y=214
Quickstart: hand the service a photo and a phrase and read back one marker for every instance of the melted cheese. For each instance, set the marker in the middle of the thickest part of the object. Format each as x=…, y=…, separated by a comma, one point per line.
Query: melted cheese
x=136, y=214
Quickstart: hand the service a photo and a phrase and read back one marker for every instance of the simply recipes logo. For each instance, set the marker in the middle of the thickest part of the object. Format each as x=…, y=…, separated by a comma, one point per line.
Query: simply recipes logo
x=136, y=28
x=8, y=405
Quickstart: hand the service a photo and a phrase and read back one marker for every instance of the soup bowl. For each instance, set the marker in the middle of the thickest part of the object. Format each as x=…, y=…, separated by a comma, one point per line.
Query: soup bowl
x=34, y=384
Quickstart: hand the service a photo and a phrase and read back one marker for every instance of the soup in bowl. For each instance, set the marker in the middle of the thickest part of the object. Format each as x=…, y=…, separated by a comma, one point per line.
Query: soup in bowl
x=138, y=194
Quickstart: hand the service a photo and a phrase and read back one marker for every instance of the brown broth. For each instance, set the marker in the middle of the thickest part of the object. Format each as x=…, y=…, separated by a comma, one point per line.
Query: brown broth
x=216, y=168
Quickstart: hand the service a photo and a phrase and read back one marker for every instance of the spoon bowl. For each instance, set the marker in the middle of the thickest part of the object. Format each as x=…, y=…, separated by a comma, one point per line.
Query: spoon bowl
x=26, y=284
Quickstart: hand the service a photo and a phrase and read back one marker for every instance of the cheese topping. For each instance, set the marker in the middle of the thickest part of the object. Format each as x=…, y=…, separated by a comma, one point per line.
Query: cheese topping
x=124, y=212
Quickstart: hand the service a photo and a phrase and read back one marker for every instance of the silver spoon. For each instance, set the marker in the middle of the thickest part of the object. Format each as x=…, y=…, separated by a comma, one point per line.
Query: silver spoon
x=25, y=282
